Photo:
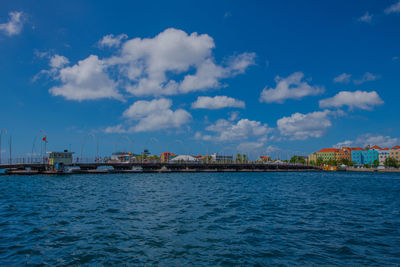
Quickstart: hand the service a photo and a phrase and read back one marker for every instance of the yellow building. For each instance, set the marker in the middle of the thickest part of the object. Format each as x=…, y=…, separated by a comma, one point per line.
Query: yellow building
x=395, y=153
x=312, y=158
x=64, y=158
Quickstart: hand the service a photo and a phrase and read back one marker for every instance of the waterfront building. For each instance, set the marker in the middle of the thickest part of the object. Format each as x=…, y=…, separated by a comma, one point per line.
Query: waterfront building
x=265, y=158
x=395, y=153
x=167, y=156
x=327, y=154
x=60, y=158
x=343, y=153
x=357, y=155
x=312, y=158
x=122, y=157
x=383, y=155
x=221, y=158
x=369, y=156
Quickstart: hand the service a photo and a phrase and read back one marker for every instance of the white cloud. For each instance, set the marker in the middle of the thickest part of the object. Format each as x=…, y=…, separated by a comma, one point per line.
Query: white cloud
x=395, y=8
x=342, y=78
x=344, y=143
x=302, y=126
x=173, y=62
x=250, y=146
x=367, y=77
x=358, y=99
x=155, y=115
x=150, y=63
x=376, y=139
x=86, y=80
x=112, y=41
x=241, y=130
x=58, y=61
x=291, y=87
x=366, y=18
x=233, y=115
x=14, y=25
x=115, y=129
x=217, y=102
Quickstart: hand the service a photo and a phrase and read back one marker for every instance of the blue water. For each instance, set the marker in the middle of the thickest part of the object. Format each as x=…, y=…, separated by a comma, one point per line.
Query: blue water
x=201, y=219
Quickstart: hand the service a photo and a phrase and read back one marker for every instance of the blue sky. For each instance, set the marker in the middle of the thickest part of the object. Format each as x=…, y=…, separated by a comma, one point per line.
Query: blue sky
x=260, y=77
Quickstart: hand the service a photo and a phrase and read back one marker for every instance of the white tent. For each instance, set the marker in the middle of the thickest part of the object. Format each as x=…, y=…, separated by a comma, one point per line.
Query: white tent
x=185, y=158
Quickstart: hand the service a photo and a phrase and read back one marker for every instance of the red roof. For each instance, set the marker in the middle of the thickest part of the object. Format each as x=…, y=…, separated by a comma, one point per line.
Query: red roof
x=376, y=147
x=385, y=148
x=329, y=150
x=356, y=149
x=396, y=147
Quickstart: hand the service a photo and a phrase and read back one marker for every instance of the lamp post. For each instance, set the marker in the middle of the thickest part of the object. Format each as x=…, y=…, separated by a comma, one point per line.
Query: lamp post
x=1, y=135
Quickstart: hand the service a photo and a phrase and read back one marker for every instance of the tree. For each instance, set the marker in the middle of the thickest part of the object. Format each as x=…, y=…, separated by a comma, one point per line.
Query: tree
x=332, y=162
x=375, y=163
x=244, y=158
x=319, y=161
x=346, y=162
x=297, y=159
x=238, y=158
x=391, y=162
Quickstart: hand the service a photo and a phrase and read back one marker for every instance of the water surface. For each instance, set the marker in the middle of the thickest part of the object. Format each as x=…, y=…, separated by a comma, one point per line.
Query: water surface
x=175, y=219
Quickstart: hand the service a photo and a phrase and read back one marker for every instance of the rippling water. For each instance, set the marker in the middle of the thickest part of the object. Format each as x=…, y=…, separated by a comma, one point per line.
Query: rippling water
x=201, y=219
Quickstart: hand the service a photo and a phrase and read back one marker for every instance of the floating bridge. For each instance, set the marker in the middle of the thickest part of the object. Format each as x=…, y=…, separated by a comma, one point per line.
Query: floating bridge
x=40, y=168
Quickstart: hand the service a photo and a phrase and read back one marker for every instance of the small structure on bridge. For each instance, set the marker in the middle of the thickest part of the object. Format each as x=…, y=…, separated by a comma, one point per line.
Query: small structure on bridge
x=184, y=158
x=60, y=158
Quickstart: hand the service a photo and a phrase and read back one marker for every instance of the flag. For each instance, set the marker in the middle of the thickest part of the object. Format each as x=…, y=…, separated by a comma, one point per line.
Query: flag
x=44, y=138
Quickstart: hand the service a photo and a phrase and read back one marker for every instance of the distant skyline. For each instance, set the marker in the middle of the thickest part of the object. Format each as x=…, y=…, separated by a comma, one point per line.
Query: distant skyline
x=258, y=77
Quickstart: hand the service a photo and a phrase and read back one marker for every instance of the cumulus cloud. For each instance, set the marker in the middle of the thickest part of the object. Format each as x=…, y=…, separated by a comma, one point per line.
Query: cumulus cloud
x=14, y=24
x=153, y=115
x=112, y=41
x=358, y=99
x=151, y=63
x=217, y=102
x=395, y=8
x=58, y=61
x=291, y=87
x=243, y=129
x=367, y=77
x=376, y=139
x=342, y=78
x=302, y=126
x=86, y=80
x=366, y=18
x=173, y=62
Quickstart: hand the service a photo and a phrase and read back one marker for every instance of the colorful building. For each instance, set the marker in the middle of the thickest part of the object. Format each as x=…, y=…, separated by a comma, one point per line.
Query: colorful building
x=327, y=154
x=383, y=155
x=343, y=153
x=369, y=156
x=357, y=156
x=167, y=156
x=265, y=158
x=312, y=158
x=395, y=153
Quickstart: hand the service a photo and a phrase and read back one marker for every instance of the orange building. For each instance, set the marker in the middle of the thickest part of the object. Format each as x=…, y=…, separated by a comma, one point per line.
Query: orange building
x=343, y=153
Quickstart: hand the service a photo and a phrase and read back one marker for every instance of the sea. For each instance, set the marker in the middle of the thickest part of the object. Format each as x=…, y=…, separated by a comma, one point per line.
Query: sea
x=201, y=219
